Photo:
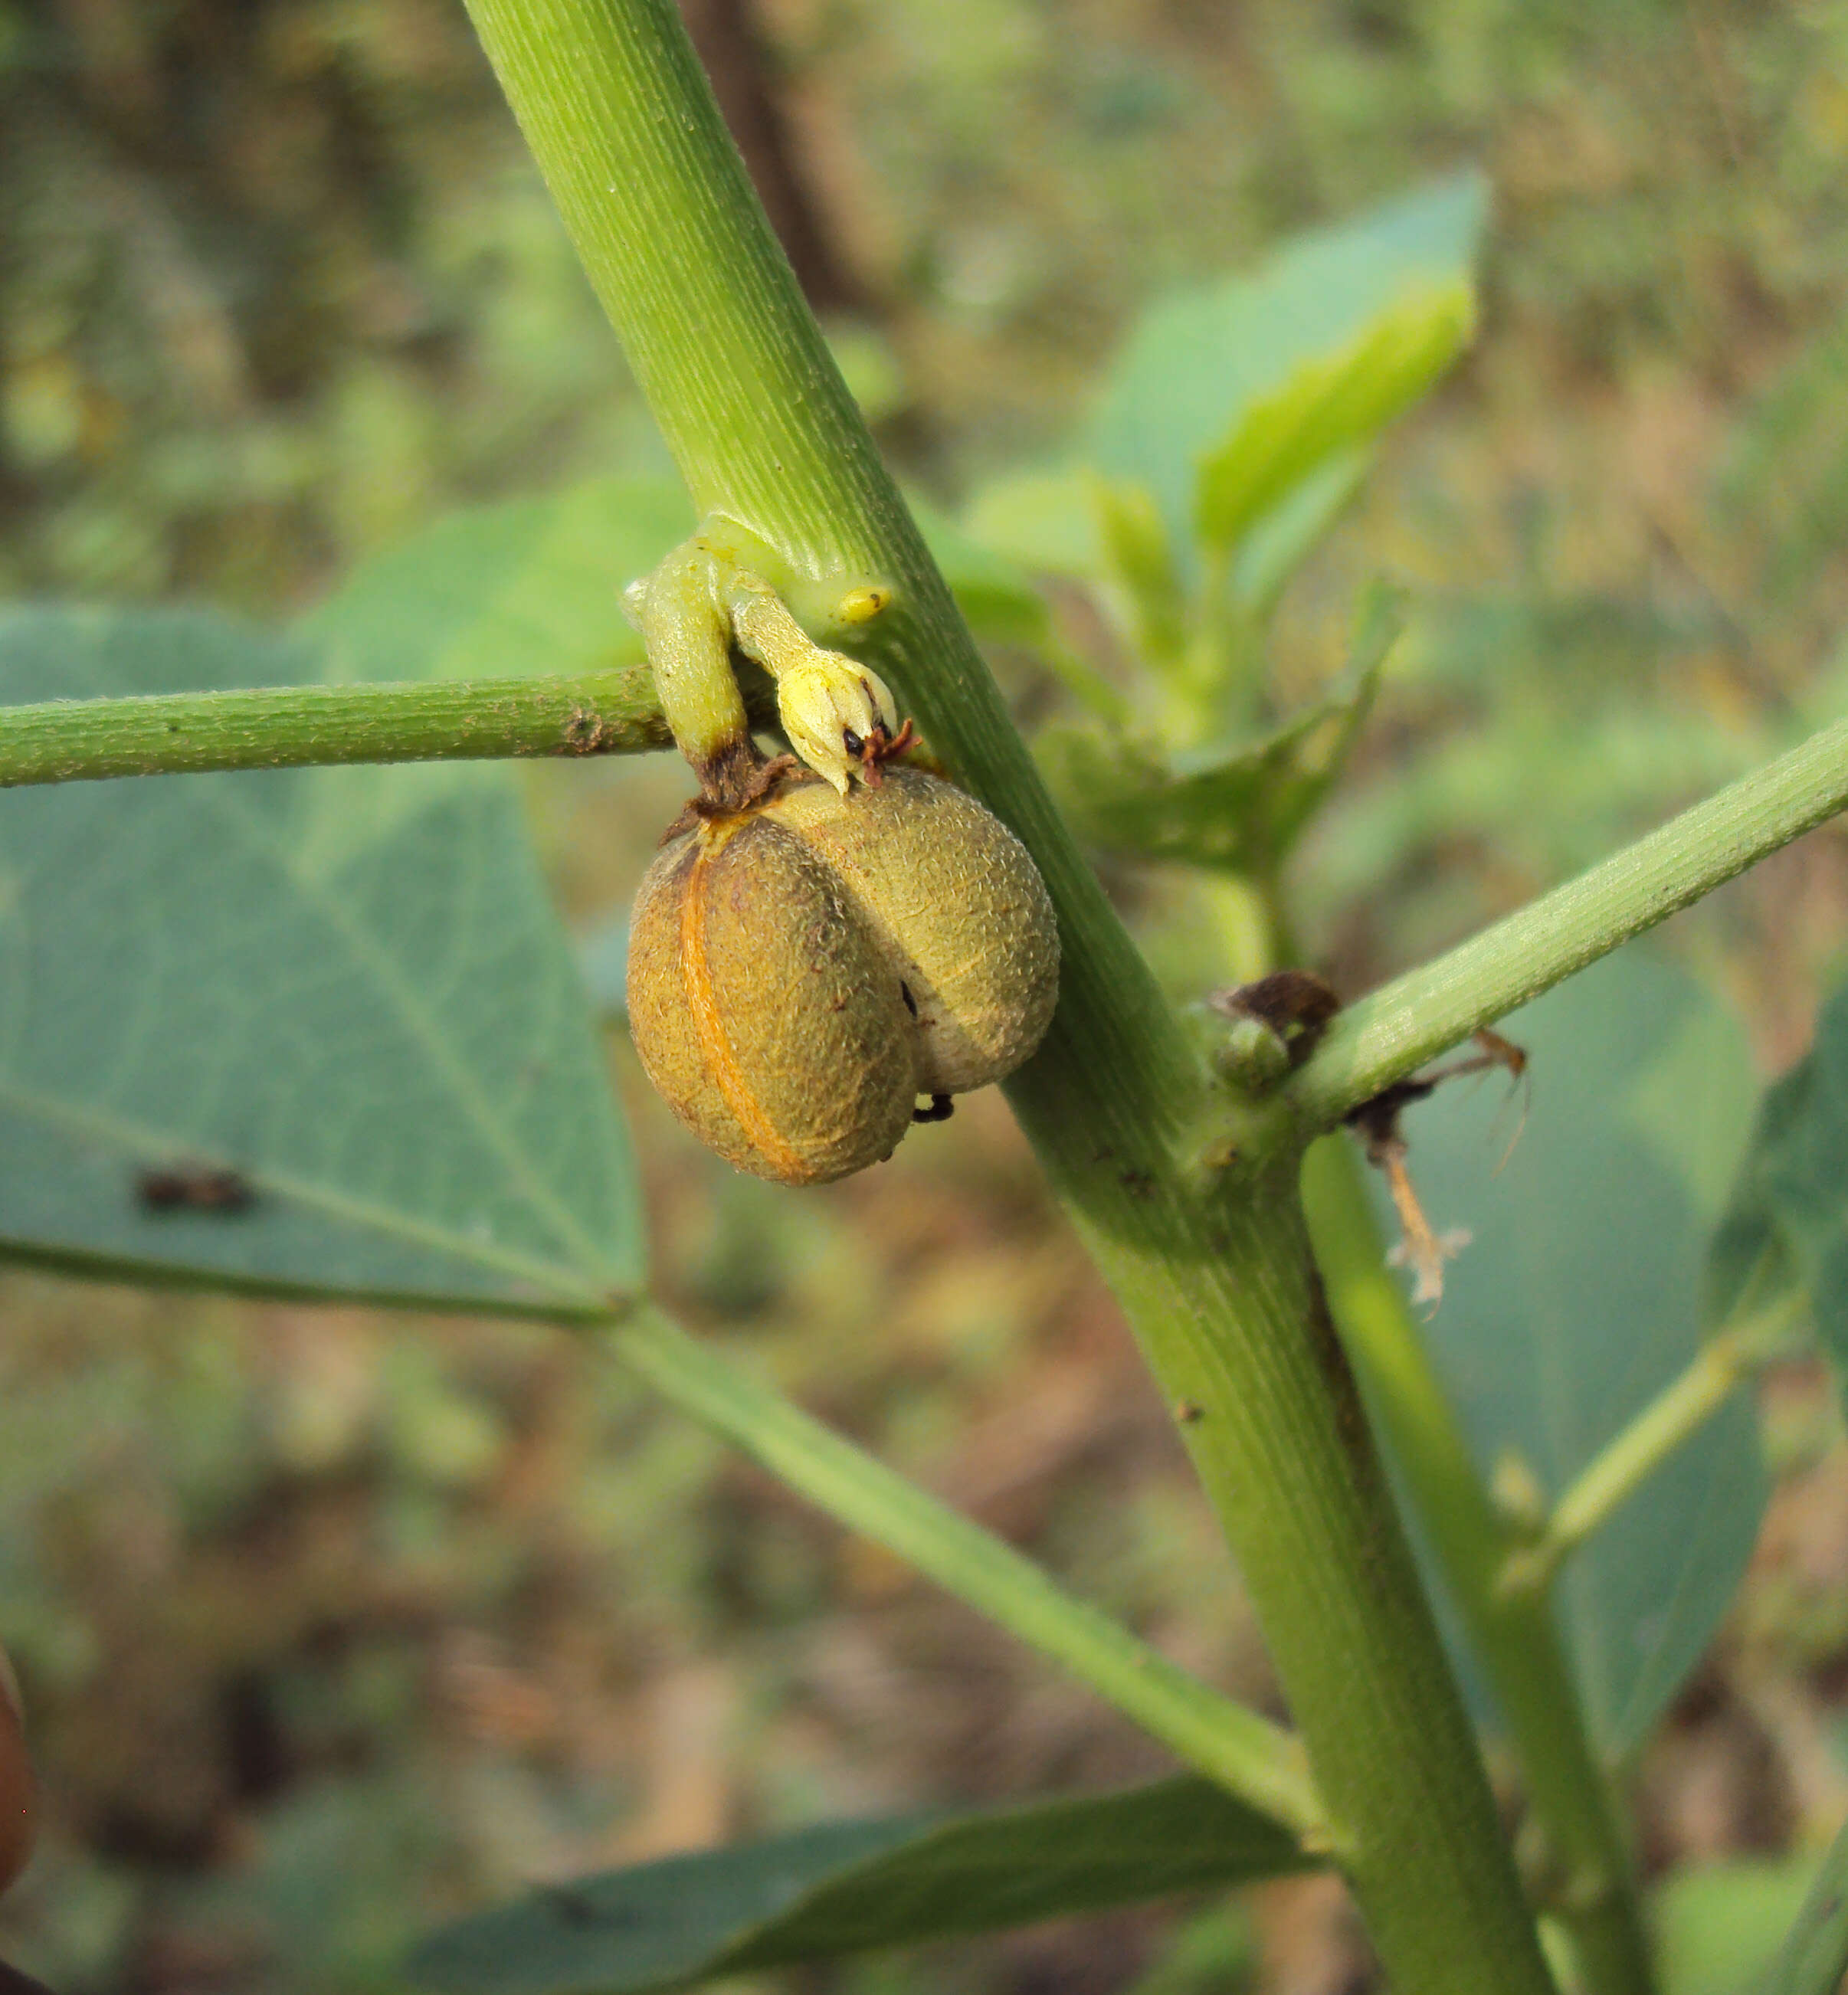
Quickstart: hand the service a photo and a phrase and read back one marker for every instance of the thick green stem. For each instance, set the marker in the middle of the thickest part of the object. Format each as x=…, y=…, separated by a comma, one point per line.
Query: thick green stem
x=1391, y=1033
x=1215, y=1274
x=1513, y=1634
x=616, y=713
x=1246, y=1752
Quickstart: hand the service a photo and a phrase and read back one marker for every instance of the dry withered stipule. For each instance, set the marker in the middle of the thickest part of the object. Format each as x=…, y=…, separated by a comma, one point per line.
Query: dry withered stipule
x=1375, y=1121
x=1297, y=1005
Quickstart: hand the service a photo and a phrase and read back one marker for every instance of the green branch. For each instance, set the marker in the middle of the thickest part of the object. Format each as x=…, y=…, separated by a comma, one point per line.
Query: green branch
x=1215, y=1274
x=1395, y=1031
x=1673, y=1417
x=1244, y=1752
x=1513, y=1634
x=613, y=712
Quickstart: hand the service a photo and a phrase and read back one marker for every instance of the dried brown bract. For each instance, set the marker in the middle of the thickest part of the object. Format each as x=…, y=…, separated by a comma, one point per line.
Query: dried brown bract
x=1375, y=1121
x=1297, y=1005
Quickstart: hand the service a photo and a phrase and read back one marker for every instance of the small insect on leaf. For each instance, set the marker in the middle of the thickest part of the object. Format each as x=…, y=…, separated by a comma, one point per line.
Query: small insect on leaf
x=213, y=1189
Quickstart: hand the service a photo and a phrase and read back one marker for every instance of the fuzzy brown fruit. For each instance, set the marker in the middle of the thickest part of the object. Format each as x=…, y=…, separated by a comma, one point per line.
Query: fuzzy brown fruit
x=799, y=973
x=762, y=1008
x=958, y=908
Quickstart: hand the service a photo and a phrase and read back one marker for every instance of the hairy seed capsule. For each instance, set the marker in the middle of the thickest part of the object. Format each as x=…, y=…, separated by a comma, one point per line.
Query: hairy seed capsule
x=763, y=1008
x=958, y=909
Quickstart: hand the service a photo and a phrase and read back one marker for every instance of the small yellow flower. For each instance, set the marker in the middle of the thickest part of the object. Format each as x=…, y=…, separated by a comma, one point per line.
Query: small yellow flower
x=840, y=717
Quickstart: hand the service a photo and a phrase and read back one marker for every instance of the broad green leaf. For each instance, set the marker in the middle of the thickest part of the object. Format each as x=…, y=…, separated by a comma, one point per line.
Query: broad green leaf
x=347, y=987
x=1237, y=810
x=1199, y=365
x=1330, y=404
x=1290, y=532
x=531, y=585
x=1577, y=1300
x=1718, y=1926
x=1141, y=560
x=1814, y=1956
x=1788, y=1224
x=1046, y=521
x=848, y=1887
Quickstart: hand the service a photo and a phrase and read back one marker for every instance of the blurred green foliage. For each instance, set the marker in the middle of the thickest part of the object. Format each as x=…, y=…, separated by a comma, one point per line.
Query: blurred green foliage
x=333, y=1625
x=1721, y=1924
x=279, y=280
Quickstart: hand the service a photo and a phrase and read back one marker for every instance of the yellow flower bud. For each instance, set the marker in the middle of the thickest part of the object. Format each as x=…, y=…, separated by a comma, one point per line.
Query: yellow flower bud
x=840, y=717
x=862, y=605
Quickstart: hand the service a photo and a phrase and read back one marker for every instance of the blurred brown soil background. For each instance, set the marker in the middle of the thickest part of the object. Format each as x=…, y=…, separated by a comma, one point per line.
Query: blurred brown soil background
x=332, y=1623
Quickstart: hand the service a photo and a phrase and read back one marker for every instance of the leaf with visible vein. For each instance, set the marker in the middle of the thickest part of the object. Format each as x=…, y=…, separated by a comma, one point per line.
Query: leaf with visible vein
x=525, y=585
x=347, y=989
x=845, y=1887
x=1207, y=363
x=1329, y=405
x=1240, y=810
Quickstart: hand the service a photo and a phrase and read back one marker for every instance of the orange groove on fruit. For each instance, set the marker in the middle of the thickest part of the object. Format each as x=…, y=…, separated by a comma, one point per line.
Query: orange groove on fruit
x=714, y=1045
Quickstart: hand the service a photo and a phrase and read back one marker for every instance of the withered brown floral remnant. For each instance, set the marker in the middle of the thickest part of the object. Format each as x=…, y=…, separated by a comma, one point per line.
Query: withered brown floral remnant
x=1375, y=1121
x=1297, y=1005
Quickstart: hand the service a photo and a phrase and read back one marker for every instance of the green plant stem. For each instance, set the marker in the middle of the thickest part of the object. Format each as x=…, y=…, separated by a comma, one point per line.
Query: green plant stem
x=614, y=712
x=1512, y=1634
x=1247, y=1754
x=1214, y=1272
x=1679, y=1411
x=1393, y=1032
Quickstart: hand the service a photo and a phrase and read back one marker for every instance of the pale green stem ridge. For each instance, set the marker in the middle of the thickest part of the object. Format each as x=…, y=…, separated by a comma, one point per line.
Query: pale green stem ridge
x=1214, y=1275
x=1243, y=1751
x=1391, y=1033
x=611, y=713
x=1679, y=1411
